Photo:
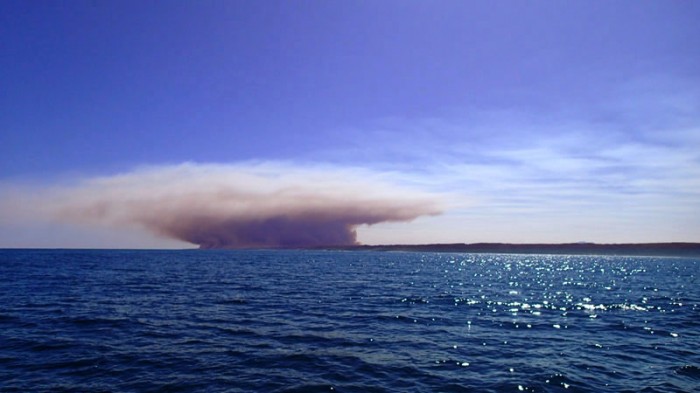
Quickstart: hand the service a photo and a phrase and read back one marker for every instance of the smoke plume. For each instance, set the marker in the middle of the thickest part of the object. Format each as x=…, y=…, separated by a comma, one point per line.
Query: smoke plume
x=241, y=206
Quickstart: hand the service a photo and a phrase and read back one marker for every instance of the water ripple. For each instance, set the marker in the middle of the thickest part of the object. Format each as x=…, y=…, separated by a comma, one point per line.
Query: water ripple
x=299, y=321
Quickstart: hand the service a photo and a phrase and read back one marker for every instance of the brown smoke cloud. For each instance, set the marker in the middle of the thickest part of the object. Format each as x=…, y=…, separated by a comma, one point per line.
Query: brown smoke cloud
x=242, y=206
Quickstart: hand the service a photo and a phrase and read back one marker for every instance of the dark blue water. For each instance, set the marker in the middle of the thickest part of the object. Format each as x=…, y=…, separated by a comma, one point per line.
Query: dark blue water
x=285, y=321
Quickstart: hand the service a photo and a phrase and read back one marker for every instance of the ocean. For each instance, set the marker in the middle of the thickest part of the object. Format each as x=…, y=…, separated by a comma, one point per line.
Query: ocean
x=346, y=321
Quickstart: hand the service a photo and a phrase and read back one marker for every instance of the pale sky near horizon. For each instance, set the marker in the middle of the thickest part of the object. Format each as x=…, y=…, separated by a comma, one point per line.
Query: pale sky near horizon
x=516, y=121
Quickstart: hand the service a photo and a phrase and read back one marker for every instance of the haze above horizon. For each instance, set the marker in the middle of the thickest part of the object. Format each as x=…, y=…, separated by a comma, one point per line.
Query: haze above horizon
x=154, y=124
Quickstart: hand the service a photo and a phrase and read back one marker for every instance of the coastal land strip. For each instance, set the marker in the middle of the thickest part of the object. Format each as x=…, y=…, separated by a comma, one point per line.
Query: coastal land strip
x=581, y=248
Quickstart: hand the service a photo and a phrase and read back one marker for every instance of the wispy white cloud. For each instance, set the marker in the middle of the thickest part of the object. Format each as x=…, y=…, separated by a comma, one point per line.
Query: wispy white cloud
x=624, y=169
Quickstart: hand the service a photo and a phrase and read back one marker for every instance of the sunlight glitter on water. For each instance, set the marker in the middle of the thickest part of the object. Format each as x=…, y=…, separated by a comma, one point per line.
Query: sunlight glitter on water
x=278, y=321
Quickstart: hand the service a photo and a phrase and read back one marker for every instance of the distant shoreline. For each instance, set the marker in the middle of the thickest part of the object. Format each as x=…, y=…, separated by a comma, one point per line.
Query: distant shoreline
x=623, y=249
x=672, y=249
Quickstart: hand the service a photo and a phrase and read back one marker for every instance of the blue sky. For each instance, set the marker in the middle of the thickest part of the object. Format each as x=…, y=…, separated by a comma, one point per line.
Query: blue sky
x=530, y=121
